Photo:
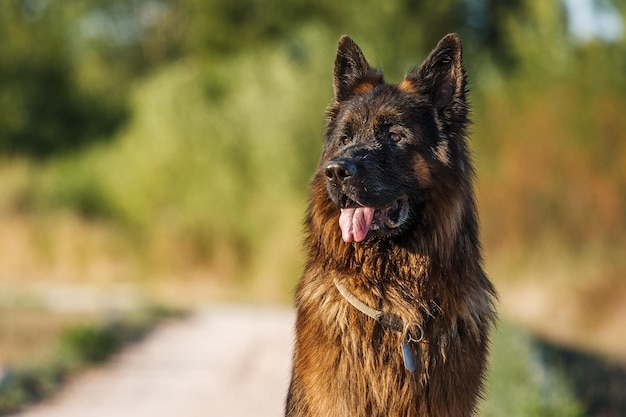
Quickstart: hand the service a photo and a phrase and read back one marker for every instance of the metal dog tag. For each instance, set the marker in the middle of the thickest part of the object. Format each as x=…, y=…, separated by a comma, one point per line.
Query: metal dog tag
x=408, y=354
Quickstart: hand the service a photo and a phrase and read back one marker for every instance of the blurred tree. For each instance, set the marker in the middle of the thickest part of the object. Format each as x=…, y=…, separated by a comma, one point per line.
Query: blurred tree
x=66, y=68
x=220, y=27
x=42, y=109
x=224, y=27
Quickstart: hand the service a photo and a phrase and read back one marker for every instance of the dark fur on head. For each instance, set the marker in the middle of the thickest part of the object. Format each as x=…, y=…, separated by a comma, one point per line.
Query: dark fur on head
x=402, y=151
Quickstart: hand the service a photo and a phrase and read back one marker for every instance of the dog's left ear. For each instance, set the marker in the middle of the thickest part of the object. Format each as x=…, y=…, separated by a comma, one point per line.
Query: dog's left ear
x=441, y=77
x=352, y=72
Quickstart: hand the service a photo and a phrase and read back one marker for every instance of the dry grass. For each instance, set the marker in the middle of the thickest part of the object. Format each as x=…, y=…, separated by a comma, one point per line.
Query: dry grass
x=546, y=174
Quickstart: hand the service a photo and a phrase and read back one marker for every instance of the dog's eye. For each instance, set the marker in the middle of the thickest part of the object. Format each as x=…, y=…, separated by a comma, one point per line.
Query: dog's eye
x=346, y=139
x=394, y=137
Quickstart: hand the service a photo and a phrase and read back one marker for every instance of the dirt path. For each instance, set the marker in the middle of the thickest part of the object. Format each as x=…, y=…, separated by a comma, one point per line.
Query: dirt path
x=221, y=362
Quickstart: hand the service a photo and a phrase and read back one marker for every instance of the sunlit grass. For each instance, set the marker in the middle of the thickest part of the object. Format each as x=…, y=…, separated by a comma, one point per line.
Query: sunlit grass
x=519, y=384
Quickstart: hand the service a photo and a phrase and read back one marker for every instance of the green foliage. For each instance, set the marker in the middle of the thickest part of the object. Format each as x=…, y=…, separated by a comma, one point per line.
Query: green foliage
x=73, y=183
x=67, y=68
x=91, y=343
x=28, y=386
x=215, y=157
x=43, y=108
x=519, y=385
x=88, y=344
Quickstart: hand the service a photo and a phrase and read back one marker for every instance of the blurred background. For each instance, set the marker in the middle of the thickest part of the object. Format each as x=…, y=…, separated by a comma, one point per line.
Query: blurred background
x=155, y=156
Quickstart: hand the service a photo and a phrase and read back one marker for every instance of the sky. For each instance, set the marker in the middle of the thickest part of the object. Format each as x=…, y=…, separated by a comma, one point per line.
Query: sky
x=589, y=19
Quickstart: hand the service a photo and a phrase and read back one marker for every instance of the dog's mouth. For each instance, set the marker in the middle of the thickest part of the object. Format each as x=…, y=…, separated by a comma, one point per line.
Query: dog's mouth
x=357, y=221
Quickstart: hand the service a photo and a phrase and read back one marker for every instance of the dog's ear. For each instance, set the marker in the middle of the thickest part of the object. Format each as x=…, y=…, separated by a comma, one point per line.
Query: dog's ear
x=352, y=72
x=441, y=77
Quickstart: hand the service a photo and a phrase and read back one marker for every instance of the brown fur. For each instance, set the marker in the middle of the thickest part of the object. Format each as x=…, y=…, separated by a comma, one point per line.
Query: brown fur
x=430, y=274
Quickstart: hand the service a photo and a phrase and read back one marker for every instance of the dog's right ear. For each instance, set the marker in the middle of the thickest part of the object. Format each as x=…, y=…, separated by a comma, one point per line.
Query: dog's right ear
x=353, y=74
x=441, y=78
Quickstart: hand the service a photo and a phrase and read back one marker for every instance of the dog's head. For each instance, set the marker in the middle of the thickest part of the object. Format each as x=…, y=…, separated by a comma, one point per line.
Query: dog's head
x=389, y=146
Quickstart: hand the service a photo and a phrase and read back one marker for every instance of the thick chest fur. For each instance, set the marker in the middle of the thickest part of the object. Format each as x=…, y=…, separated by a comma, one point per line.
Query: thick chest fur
x=346, y=364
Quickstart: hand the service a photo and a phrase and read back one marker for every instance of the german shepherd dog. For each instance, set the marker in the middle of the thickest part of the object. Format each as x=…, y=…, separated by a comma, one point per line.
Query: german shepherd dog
x=394, y=309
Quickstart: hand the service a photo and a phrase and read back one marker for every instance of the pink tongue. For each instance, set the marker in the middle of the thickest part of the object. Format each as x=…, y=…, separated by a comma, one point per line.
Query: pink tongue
x=355, y=223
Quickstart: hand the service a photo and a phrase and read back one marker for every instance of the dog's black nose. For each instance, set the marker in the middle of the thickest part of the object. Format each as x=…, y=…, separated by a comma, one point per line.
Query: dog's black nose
x=338, y=171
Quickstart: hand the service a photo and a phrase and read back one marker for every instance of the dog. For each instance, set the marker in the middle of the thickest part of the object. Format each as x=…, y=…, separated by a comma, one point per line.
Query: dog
x=394, y=309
